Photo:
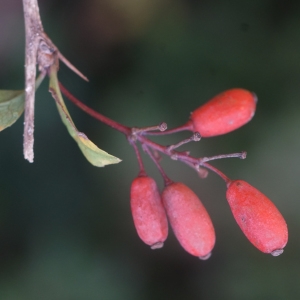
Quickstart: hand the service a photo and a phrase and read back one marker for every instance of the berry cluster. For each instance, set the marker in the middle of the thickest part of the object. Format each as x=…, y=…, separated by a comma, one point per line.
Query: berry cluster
x=257, y=216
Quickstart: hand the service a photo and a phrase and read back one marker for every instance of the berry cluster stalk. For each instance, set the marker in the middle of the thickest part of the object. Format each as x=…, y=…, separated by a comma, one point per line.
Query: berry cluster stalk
x=134, y=134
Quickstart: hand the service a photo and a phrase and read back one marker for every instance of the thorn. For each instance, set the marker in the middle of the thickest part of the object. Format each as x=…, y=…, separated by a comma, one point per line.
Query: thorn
x=71, y=67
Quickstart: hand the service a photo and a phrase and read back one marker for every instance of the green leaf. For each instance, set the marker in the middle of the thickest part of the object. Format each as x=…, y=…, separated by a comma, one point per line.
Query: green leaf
x=12, y=105
x=93, y=154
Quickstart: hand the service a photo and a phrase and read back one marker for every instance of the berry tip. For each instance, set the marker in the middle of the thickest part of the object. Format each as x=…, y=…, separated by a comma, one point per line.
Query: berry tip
x=205, y=257
x=157, y=245
x=255, y=97
x=277, y=252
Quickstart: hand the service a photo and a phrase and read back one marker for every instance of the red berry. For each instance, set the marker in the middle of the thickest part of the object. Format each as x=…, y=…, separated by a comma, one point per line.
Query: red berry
x=148, y=213
x=224, y=112
x=189, y=219
x=258, y=217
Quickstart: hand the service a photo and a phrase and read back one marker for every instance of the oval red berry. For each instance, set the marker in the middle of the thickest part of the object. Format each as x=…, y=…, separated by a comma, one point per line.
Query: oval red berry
x=258, y=217
x=148, y=213
x=224, y=113
x=189, y=220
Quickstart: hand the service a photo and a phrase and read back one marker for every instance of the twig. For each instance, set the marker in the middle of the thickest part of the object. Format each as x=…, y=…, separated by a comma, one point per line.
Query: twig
x=40, y=50
x=33, y=28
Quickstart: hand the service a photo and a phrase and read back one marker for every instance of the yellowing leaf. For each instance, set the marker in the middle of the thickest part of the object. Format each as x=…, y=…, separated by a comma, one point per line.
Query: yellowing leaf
x=93, y=154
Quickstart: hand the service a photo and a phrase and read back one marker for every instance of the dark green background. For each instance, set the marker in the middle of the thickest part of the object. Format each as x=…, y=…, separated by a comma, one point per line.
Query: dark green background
x=66, y=231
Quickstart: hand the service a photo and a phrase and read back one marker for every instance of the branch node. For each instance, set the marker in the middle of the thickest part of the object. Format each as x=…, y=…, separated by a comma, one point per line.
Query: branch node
x=203, y=173
x=162, y=126
x=174, y=156
x=243, y=155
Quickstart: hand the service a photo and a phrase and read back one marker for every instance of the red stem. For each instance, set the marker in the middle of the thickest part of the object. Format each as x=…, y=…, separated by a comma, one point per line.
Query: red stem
x=166, y=179
x=218, y=172
x=139, y=158
x=121, y=128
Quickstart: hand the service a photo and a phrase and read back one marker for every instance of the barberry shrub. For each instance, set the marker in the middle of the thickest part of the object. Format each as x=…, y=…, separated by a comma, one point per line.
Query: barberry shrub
x=257, y=216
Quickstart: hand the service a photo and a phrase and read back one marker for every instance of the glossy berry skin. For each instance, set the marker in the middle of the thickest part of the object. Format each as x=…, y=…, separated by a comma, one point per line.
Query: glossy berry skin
x=224, y=113
x=189, y=220
x=258, y=217
x=148, y=213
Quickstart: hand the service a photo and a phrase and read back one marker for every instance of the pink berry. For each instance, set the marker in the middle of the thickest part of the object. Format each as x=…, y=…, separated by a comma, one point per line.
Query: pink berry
x=224, y=112
x=189, y=220
x=258, y=217
x=148, y=213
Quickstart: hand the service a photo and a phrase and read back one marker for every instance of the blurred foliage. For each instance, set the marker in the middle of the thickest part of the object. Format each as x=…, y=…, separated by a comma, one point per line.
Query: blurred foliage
x=65, y=226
